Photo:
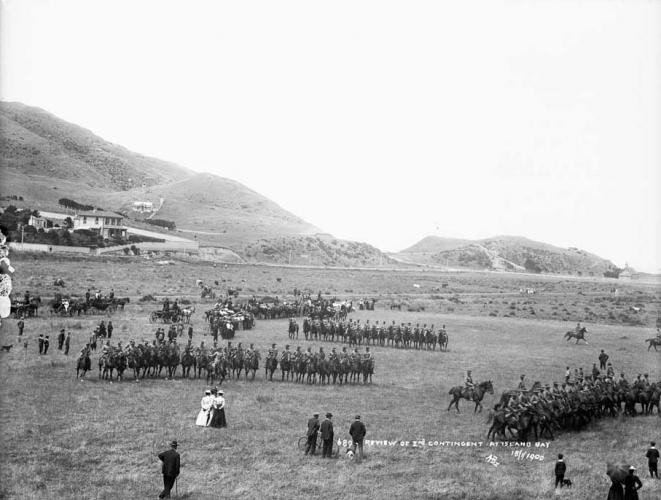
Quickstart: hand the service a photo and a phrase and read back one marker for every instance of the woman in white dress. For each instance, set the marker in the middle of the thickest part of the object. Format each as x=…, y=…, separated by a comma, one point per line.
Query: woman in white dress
x=6, y=270
x=203, y=417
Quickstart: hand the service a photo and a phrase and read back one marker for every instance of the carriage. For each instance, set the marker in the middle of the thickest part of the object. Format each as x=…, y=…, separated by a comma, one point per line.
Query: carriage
x=164, y=316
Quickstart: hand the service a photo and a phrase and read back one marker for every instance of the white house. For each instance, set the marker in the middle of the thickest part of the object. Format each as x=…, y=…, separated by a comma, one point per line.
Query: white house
x=143, y=206
x=108, y=224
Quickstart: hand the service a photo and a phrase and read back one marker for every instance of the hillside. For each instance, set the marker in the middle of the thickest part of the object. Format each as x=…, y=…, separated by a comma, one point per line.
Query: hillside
x=505, y=253
x=45, y=159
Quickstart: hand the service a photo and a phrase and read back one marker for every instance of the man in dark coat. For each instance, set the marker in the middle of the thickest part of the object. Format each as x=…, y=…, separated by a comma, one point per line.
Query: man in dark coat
x=170, y=470
x=313, y=428
x=41, y=343
x=110, y=329
x=60, y=339
x=327, y=435
x=603, y=357
x=20, y=325
x=46, y=344
x=357, y=432
x=632, y=484
x=653, y=460
x=560, y=469
x=67, y=344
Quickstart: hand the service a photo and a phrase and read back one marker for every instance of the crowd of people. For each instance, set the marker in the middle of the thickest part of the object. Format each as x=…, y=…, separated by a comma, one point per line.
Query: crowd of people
x=570, y=405
x=353, y=332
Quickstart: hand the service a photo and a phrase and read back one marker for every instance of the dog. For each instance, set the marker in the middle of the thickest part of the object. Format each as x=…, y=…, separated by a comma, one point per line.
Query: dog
x=566, y=482
x=350, y=454
x=7, y=347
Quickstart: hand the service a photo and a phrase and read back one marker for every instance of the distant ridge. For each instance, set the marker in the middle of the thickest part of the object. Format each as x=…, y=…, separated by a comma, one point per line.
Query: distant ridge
x=505, y=253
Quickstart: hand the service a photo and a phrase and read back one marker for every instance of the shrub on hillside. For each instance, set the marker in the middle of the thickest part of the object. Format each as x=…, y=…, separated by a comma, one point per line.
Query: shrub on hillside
x=168, y=224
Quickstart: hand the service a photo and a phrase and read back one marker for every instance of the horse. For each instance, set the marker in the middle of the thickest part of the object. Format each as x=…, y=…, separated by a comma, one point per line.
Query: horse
x=84, y=363
x=476, y=394
x=580, y=335
x=355, y=370
x=293, y=328
x=323, y=368
x=367, y=368
x=270, y=365
x=654, y=341
x=442, y=340
x=251, y=363
x=310, y=370
x=285, y=366
x=187, y=362
x=186, y=313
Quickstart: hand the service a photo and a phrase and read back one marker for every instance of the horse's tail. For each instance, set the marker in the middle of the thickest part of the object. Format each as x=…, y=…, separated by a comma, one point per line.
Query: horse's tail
x=490, y=417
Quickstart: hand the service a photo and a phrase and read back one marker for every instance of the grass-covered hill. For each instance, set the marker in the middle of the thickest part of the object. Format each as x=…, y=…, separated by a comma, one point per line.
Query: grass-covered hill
x=44, y=159
x=506, y=253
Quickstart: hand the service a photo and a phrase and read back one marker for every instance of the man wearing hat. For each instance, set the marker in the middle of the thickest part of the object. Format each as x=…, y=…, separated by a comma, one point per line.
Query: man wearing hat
x=41, y=343
x=327, y=436
x=67, y=343
x=652, y=460
x=313, y=428
x=170, y=470
x=522, y=383
x=46, y=344
x=60, y=339
x=357, y=432
x=632, y=484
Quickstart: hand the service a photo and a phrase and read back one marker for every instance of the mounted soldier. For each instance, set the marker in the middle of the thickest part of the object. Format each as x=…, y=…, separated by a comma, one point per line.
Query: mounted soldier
x=469, y=384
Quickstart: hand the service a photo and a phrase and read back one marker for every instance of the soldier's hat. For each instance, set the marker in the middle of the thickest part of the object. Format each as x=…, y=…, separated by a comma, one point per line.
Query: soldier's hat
x=272, y=345
x=329, y=415
x=333, y=349
x=62, y=330
x=357, y=417
x=315, y=414
x=220, y=392
x=287, y=346
x=174, y=444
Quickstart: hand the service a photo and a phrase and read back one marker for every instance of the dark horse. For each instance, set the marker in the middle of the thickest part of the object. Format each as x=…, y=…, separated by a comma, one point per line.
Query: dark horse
x=270, y=366
x=476, y=394
x=84, y=364
x=580, y=335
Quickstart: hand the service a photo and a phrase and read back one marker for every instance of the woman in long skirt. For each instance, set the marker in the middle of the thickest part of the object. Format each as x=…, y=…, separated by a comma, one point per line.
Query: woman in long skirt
x=218, y=417
x=203, y=417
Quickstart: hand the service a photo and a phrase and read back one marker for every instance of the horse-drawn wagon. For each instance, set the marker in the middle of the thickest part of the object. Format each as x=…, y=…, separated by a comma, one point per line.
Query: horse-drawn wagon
x=164, y=316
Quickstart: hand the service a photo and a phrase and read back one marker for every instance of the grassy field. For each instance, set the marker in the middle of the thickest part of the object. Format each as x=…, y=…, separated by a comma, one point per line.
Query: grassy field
x=68, y=439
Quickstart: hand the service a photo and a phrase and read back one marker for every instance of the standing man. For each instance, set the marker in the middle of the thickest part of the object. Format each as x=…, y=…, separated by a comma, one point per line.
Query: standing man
x=653, y=459
x=357, y=432
x=20, y=325
x=41, y=343
x=190, y=333
x=87, y=296
x=67, y=343
x=603, y=357
x=560, y=469
x=171, y=464
x=522, y=383
x=313, y=428
x=567, y=375
x=60, y=339
x=327, y=436
x=46, y=344
x=110, y=329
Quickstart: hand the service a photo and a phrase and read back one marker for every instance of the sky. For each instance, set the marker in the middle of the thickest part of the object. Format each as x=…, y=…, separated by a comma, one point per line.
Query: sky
x=377, y=121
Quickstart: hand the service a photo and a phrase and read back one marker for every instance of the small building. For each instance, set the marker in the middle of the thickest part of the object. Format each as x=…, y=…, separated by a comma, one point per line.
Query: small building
x=107, y=224
x=143, y=206
x=38, y=223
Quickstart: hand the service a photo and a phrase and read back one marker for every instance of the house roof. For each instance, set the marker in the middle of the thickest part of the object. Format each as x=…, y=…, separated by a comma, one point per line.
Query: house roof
x=99, y=213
